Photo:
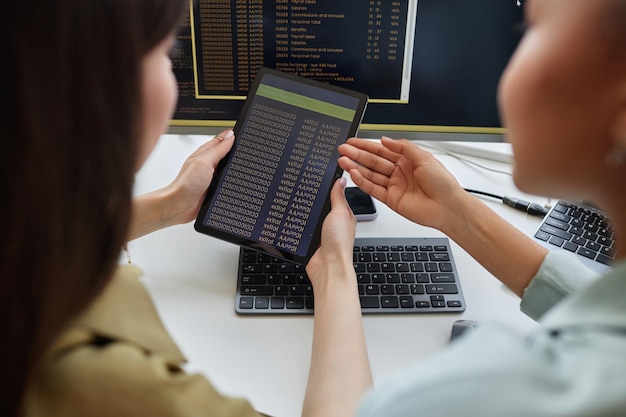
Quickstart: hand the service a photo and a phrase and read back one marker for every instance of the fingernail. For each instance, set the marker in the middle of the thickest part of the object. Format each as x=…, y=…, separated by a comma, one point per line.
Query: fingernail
x=343, y=181
x=229, y=134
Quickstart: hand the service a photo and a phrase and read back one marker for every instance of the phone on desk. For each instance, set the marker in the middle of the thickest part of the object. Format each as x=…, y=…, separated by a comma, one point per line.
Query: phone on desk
x=362, y=204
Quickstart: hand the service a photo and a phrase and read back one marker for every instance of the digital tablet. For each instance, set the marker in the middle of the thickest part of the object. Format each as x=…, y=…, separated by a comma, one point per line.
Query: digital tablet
x=271, y=192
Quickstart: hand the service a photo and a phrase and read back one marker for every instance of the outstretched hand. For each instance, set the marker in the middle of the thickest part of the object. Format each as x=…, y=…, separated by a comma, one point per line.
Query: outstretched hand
x=404, y=177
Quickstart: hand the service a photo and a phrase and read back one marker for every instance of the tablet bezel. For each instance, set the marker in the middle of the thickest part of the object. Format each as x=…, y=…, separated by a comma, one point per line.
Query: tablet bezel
x=220, y=172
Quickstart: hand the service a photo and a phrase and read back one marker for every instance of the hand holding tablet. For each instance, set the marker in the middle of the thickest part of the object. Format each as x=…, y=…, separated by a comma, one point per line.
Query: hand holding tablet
x=271, y=192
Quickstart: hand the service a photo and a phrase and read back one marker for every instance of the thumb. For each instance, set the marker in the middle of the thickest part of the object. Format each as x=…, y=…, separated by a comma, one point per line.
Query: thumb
x=337, y=194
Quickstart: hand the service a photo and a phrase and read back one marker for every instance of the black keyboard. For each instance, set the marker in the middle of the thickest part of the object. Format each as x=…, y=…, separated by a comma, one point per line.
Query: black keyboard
x=395, y=275
x=582, y=229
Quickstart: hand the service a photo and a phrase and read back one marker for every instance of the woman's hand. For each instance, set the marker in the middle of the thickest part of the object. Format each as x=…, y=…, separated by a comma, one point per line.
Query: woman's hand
x=179, y=202
x=340, y=371
x=196, y=174
x=337, y=243
x=404, y=177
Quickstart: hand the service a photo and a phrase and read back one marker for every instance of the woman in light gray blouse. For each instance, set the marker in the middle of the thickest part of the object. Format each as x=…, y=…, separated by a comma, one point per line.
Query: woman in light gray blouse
x=563, y=101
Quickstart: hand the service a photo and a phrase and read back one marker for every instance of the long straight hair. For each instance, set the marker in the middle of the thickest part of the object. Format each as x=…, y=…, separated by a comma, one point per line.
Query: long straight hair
x=69, y=131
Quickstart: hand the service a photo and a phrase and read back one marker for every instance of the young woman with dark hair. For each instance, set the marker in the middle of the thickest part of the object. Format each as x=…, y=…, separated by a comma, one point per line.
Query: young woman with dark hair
x=86, y=90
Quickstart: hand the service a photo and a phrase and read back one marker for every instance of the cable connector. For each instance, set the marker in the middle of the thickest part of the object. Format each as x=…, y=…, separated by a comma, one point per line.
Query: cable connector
x=523, y=205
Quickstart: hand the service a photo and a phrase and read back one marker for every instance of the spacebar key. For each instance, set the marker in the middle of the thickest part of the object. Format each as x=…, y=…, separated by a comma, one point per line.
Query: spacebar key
x=369, y=302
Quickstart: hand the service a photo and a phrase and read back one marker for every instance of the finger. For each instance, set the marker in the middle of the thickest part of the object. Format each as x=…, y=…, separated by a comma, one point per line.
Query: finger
x=375, y=177
x=375, y=147
x=378, y=191
x=338, y=195
x=376, y=158
x=225, y=135
x=406, y=149
x=216, y=146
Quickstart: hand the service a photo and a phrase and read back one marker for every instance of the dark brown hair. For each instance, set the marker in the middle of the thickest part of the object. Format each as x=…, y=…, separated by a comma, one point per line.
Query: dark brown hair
x=69, y=127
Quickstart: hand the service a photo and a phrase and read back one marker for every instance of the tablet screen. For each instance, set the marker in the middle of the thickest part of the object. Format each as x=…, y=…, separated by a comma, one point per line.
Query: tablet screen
x=271, y=193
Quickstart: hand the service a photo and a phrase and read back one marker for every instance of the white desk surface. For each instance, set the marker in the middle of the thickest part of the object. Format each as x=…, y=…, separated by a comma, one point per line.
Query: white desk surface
x=266, y=359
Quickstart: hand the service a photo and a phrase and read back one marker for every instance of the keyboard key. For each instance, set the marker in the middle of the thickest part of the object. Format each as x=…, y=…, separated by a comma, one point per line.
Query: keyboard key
x=388, y=267
x=246, y=302
x=378, y=279
x=253, y=269
x=364, y=257
x=608, y=252
x=253, y=279
x=296, y=290
x=560, y=216
x=372, y=289
x=454, y=303
x=393, y=278
x=402, y=267
x=257, y=290
x=416, y=289
x=372, y=267
x=442, y=289
x=587, y=253
x=406, y=302
x=407, y=257
x=387, y=289
x=281, y=290
x=556, y=241
x=604, y=259
x=439, y=256
x=364, y=278
x=295, y=303
x=407, y=278
x=594, y=246
x=388, y=301
x=572, y=247
x=422, y=278
x=402, y=289
x=393, y=257
x=278, y=303
x=262, y=303
x=557, y=223
x=441, y=277
x=369, y=302
x=551, y=230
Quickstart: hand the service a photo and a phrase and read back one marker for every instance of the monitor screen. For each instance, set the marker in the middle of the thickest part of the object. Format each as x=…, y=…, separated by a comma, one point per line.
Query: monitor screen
x=431, y=68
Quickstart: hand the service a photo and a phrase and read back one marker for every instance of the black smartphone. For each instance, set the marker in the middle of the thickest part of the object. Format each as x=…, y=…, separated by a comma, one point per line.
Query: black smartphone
x=362, y=204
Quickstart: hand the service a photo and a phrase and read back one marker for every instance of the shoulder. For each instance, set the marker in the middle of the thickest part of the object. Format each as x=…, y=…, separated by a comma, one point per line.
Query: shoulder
x=118, y=359
x=112, y=377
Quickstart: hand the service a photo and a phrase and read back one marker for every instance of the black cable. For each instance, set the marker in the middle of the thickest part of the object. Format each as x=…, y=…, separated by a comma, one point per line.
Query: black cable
x=517, y=203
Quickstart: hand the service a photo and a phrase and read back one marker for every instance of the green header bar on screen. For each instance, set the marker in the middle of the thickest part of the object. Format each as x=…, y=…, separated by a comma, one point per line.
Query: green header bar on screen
x=307, y=103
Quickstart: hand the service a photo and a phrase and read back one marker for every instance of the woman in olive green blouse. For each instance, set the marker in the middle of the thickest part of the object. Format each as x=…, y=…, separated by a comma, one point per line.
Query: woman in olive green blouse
x=86, y=90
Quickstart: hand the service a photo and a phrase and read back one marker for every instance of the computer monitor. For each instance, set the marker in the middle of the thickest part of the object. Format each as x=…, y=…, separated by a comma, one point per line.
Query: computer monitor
x=431, y=68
